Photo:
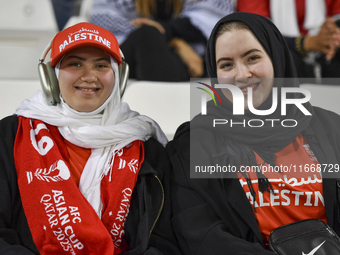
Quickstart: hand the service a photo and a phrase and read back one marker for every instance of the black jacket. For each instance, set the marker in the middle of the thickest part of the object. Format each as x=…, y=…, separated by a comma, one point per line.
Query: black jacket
x=211, y=216
x=147, y=228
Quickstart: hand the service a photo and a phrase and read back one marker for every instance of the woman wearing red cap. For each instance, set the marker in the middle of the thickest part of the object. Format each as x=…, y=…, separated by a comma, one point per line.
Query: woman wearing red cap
x=85, y=175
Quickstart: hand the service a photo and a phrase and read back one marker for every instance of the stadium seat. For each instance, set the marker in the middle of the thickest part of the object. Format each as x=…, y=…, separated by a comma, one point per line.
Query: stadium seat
x=26, y=28
x=168, y=103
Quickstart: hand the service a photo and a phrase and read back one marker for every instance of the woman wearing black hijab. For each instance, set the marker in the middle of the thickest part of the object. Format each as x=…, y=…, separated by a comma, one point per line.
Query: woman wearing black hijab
x=233, y=212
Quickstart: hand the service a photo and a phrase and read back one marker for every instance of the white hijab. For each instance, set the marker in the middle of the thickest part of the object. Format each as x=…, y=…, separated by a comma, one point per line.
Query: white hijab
x=105, y=130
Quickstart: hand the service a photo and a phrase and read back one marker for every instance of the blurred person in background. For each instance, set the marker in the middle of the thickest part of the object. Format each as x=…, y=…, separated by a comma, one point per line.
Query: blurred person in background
x=162, y=40
x=64, y=10
x=311, y=31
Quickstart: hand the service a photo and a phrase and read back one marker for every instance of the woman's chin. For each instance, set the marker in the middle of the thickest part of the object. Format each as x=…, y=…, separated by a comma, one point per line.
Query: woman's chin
x=255, y=103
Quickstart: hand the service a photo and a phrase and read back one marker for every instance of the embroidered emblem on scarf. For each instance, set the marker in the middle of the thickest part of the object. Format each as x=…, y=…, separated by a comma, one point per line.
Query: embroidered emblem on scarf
x=60, y=218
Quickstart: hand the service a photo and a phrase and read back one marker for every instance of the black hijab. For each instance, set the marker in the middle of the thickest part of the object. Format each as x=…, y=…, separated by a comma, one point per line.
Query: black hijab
x=237, y=144
x=269, y=37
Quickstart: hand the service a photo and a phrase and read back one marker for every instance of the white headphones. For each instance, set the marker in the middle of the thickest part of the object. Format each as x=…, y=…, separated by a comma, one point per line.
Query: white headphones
x=50, y=84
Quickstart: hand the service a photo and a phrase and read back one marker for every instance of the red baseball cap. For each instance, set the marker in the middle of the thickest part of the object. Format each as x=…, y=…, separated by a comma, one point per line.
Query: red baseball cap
x=81, y=35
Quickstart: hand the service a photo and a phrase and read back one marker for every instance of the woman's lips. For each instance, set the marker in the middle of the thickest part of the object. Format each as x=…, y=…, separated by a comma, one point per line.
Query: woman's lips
x=87, y=91
x=254, y=86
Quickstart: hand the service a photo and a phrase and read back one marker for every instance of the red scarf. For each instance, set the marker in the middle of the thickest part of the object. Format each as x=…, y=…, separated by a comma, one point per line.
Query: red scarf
x=60, y=219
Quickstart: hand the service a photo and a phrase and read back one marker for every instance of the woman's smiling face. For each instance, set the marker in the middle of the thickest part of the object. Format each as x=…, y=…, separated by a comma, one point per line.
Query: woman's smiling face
x=86, y=78
x=242, y=61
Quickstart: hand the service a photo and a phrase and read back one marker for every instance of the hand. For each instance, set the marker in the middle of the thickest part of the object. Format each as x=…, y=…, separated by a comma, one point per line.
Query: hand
x=326, y=41
x=190, y=58
x=144, y=21
x=334, y=45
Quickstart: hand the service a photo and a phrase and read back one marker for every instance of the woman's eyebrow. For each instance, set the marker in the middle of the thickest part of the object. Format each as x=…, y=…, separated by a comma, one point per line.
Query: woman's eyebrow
x=224, y=59
x=101, y=59
x=76, y=57
x=249, y=52
x=242, y=55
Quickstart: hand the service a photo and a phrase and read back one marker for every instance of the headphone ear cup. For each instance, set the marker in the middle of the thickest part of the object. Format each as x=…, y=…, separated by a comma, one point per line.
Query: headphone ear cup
x=54, y=83
x=49, y=83
x=124, y=72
